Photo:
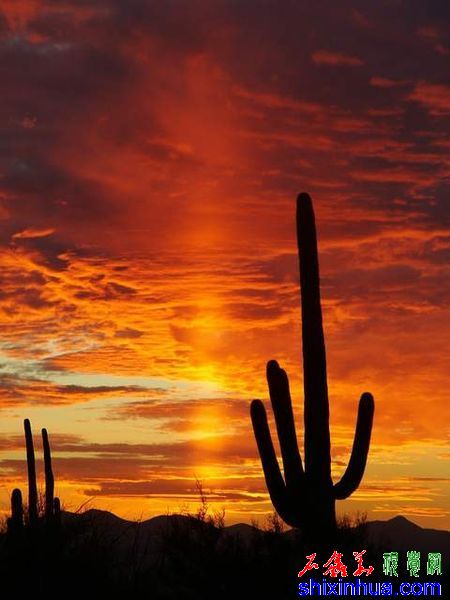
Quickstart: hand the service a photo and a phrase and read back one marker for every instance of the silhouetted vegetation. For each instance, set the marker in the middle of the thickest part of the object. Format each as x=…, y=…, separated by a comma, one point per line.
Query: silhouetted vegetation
x=34, y=517
x=305, y=497
x=173, y=556
x=94, y=553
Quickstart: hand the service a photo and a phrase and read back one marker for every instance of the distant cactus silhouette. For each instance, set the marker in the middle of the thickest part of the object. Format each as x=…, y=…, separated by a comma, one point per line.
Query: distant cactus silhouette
x=306, y=497
x=31, y=468
x=52, y=510
x=57, y=513
x=15, y=522
x=49, y=479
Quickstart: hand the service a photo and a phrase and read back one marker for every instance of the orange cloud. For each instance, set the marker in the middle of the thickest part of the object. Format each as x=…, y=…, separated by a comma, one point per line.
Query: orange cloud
x=32, y=233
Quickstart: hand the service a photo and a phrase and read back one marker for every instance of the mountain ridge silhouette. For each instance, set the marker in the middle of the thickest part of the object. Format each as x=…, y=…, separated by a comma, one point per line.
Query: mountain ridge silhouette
x=396, y=526
x=397, y=534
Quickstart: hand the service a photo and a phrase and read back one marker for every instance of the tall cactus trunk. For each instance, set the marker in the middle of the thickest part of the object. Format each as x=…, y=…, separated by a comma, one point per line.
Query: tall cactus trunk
x=49, y=479
x=317, y=445
x=32, y=485
x=305, y=497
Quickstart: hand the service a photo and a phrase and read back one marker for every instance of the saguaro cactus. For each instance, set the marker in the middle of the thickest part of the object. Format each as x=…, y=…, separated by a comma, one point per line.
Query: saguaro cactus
x=49, y=479
x=306, y=497
x=52, y=504
x=32, y=485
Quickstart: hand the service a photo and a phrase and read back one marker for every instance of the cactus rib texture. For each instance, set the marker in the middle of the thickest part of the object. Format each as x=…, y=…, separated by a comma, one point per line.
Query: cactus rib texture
x=305, y=497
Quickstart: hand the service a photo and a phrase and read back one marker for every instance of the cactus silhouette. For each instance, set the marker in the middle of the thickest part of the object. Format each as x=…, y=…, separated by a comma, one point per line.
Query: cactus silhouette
x=31, y=467
x=56, y=513
x=15, y=522
x=49, y=479
x=305, y=497
x=52, y=504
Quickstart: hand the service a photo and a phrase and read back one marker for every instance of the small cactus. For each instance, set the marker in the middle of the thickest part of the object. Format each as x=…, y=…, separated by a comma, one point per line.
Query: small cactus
x=57, y=513
x=305, y=497
x=15, y=521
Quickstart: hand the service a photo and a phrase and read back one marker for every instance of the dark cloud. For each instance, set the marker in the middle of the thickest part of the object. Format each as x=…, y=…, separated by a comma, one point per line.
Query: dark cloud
x=129, y=333
x=16, y=391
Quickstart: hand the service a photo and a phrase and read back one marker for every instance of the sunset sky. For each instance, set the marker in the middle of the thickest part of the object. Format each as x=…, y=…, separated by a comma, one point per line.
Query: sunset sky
x=150, y=157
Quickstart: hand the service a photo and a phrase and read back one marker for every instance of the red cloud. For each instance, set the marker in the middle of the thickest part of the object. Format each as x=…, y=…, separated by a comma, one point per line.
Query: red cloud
x=385, y=82
x=335, y=59
x=434, y=96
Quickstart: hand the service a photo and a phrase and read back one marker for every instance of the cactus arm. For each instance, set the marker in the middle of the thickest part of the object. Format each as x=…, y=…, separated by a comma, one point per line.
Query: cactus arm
x=355, y=469
x=271, y=468
x=57, y=512
x=49, y=479
x=15, y=523
x=316, y=412
x=16, y=505
x=282, y=407
x=31, y=465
